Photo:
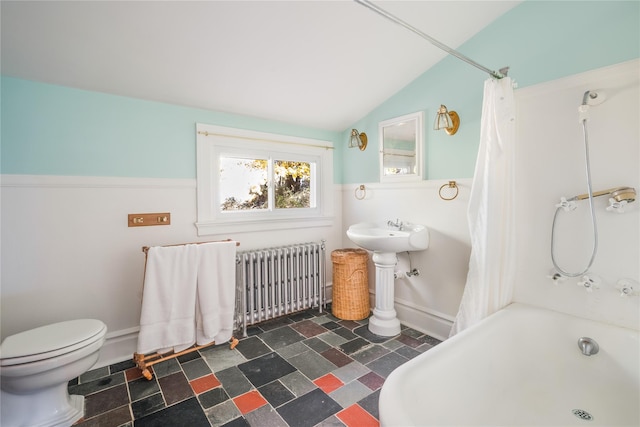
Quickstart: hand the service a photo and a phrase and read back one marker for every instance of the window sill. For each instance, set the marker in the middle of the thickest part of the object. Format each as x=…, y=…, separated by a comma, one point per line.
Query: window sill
x=217, y=227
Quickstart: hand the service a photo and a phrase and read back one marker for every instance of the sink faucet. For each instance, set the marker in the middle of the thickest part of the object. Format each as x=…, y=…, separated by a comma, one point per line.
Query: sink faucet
x=398, y=224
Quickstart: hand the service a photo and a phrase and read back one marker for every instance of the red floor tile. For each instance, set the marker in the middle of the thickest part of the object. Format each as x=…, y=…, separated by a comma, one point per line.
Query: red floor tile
x=249, y=401
x=203, y=384
x=328, y=383
x=355, y=416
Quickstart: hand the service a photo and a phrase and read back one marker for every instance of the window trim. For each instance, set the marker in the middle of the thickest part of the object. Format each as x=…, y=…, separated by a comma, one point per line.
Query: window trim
x=212, y=140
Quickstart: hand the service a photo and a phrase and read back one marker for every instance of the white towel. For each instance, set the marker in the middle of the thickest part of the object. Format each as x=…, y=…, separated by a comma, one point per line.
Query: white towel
x=167, y=320
x=216, y=292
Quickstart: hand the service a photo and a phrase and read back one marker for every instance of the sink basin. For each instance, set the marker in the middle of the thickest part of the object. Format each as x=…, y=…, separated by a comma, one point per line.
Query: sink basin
x=381, y=237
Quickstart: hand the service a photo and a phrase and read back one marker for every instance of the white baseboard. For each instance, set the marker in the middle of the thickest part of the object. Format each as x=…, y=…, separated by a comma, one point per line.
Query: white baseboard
x=426, y=321
x=120, y=345
x=430, y=322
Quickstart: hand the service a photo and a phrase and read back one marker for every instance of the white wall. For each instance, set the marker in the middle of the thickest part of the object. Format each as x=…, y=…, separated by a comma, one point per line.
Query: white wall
x=551, y=164
x=67, y=251
x=428, y=302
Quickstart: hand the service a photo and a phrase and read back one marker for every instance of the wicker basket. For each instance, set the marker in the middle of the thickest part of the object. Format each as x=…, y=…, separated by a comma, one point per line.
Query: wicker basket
x=350, y=284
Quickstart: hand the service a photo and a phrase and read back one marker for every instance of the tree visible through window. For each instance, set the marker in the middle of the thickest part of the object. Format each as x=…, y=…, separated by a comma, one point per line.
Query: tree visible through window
x=247, y=184
x=255, y=181
x=292, y=184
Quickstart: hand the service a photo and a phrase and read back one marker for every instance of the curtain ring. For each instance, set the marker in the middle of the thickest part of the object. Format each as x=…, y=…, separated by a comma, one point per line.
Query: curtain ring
x=363, y=193
x=447, y=193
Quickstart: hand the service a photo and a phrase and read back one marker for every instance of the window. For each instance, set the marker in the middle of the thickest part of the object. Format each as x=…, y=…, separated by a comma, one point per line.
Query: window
x=251, y=181
x=262, y=184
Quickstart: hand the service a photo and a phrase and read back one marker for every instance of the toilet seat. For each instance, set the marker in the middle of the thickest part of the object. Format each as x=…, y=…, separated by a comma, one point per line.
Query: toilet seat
x=50, y=341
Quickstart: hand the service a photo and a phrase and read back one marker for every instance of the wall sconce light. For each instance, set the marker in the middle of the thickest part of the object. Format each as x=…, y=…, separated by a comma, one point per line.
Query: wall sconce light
x=358, y=140
x=447, y=120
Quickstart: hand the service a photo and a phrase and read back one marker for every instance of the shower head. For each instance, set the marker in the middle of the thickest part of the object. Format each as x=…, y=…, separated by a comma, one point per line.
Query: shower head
x=593, y=97
x=588, y=94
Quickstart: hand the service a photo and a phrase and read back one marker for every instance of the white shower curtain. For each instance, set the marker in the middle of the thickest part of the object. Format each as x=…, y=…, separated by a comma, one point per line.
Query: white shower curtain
x=491, y=276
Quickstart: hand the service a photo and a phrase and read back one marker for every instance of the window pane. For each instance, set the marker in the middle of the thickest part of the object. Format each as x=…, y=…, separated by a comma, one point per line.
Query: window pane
x=292, y=184
x=243, y=184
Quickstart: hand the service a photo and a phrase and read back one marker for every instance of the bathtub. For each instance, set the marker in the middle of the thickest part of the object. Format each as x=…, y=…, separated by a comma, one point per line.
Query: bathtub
x=520, y=367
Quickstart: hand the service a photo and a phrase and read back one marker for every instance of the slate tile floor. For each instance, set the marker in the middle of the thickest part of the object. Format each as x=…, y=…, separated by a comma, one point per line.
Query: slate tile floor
x=308, y=369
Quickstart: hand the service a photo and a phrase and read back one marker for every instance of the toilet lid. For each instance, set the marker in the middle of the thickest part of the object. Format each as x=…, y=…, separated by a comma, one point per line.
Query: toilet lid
x=50, y=340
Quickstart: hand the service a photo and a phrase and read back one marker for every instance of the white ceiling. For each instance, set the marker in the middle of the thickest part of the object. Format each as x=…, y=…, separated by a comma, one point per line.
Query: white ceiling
x=323, y=64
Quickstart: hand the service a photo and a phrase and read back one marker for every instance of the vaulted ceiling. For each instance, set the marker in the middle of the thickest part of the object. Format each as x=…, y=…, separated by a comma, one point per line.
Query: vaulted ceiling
x=322, y=64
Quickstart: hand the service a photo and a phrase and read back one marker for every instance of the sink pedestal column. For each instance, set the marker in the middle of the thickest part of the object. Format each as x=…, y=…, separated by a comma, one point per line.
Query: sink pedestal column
x=384, y=321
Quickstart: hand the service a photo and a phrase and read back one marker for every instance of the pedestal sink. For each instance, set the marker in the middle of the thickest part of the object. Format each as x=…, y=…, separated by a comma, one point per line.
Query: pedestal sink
x=385, y=239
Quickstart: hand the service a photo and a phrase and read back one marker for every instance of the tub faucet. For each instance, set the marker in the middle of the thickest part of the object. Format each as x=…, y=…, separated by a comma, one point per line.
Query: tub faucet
x=397, y=224
x=589, y=346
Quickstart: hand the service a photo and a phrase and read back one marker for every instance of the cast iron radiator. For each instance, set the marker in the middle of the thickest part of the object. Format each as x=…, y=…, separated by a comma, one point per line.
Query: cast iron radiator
x=273, y=282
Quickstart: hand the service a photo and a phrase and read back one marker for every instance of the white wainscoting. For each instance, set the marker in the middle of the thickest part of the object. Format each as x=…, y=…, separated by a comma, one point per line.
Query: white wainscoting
x=68, y=253
x=428, y=302
x=550, y=164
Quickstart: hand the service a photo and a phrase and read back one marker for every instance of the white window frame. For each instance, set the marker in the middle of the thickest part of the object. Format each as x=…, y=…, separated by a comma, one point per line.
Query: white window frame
x=214, y=141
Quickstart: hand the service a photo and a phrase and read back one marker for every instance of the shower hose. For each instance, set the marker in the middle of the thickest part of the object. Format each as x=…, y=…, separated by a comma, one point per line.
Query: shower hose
x=593, y=215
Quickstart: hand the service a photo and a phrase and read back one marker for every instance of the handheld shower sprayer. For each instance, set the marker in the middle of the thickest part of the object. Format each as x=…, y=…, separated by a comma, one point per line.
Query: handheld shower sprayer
x=620, y=197
x=618, y=194
x=626, y=194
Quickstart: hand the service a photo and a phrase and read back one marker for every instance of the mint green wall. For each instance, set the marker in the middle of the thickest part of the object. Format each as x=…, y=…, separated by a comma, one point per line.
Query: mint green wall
x=539, y=40
x=55, y=130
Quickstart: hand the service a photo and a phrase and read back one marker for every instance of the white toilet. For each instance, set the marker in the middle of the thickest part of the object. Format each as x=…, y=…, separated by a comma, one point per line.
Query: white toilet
x=35, y=367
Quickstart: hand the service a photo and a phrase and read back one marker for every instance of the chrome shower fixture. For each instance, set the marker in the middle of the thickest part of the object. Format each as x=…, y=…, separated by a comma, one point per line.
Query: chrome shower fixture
x=593, y=97
x=567, y=205
x=590, y=97
x=620, y=196
x=590, y=283
x=617, y=207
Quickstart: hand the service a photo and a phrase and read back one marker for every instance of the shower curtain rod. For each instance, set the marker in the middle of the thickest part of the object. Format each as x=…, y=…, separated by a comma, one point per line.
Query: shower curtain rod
x=496, y=74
